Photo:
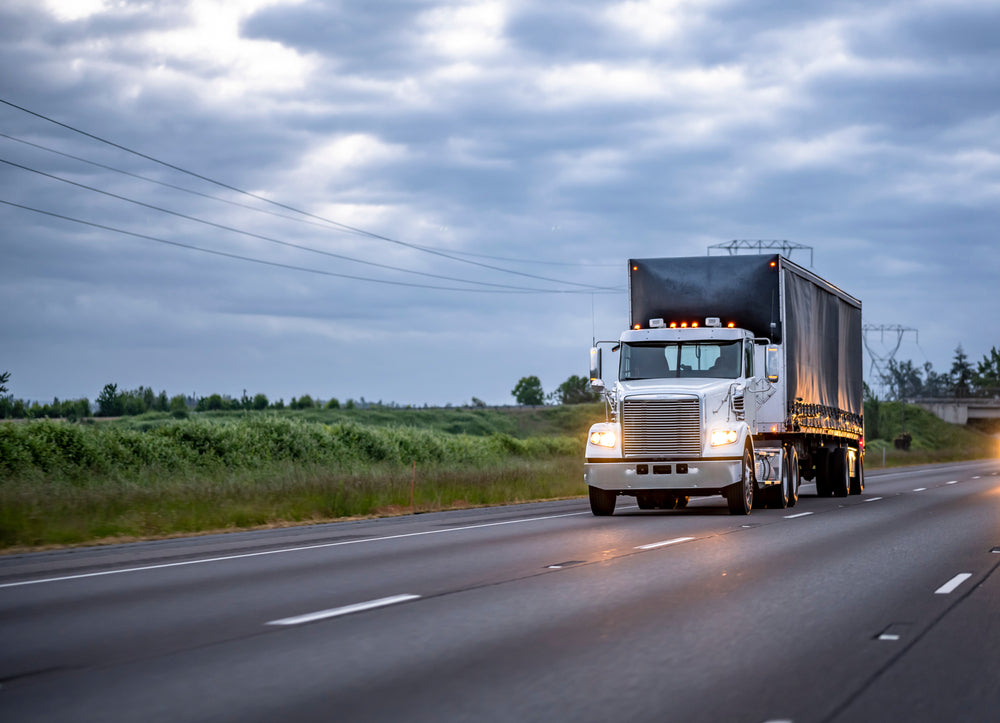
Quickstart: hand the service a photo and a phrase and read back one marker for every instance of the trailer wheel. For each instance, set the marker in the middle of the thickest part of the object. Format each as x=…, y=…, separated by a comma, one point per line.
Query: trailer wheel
x=840, y=480
x=858, y=480
x=822, y=460
x=792, y=462
x=602, y=502
x=740, y=495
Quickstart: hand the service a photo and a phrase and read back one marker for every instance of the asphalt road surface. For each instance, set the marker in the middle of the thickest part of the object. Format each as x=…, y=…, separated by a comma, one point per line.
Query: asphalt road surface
x=883, y=607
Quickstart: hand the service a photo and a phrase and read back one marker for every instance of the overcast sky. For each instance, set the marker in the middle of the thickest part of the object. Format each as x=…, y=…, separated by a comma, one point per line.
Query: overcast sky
x=457, y=186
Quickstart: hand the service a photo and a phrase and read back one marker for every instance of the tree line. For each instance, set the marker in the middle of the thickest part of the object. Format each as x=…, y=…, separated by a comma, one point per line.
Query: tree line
x=115, y=402
x=904, y=380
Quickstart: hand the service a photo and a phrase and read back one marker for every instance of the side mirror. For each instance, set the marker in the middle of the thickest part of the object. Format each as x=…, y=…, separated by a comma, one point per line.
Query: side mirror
x=596, y=383
x=772, y=364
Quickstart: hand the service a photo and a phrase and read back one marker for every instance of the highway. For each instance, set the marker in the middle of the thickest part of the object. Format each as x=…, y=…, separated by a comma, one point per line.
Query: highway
x=878, y=607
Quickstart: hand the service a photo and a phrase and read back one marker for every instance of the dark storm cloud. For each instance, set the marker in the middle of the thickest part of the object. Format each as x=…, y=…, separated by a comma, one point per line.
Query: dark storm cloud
x=540, y=132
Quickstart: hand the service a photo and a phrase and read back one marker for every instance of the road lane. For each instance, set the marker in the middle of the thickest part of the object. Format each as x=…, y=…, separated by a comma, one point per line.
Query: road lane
x=751, y=619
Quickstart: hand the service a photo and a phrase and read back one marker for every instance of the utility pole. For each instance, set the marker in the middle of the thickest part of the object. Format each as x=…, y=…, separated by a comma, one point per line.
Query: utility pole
x=882, y=360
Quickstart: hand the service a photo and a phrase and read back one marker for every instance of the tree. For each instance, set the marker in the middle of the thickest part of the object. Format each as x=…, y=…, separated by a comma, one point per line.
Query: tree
x=109, y=402
x=4, y=378
x=528, y=391
x=961, y=374
x=903, y=380
x=935, y=385
x=260, y=402
x=575, y=390
x=334, y=403
x=987, y=376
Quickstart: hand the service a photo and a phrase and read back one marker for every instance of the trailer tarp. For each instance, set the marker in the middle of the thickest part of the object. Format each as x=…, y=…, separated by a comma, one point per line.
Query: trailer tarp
x=741, y=289
x=820, y=327
x=823, y=352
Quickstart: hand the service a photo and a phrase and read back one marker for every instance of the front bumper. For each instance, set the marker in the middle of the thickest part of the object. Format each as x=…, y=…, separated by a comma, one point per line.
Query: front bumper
x=704, y=475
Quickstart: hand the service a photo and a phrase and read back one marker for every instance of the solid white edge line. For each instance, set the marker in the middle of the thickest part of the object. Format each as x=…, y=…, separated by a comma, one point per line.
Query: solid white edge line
x=953, y=583
x=345, y=610
x=303, y=548
x=920, y=489
x=888, y=636
x=675, y=541
x=953, y=482
x=873, y=499
x=800, y=514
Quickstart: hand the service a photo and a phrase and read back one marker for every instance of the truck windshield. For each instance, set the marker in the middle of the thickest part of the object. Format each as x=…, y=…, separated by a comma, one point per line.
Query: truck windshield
x=680, y=359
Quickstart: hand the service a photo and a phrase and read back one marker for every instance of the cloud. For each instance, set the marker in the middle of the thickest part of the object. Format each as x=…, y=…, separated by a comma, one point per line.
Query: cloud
x=543, y=138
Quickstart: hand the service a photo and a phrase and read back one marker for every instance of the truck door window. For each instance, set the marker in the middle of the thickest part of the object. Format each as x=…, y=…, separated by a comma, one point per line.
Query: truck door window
x=748, y=359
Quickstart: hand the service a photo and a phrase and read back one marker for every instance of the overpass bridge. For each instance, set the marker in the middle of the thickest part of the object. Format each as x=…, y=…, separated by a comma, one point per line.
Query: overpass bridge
x=961, y=410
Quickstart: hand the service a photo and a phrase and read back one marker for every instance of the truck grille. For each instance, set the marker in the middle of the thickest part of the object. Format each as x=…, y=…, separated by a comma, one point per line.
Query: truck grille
x=661, y=427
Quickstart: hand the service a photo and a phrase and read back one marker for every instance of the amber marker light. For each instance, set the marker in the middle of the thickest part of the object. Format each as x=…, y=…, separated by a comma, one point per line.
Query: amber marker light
x=673, y=324
x=635, y=268
x=731, y=324
x=694, y=324
x=773, y=264
x=637, y=326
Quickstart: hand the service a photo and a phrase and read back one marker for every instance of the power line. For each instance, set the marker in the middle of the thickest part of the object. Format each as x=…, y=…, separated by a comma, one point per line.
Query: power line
x=297, y=219
x=353, y=229
x=256, y=235
x=277, y=264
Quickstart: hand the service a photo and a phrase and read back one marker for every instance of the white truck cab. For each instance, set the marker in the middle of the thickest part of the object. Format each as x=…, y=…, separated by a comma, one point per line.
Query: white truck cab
x=684, y=412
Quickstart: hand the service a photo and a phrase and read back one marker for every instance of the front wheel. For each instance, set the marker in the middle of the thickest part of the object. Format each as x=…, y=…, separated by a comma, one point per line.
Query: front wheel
x=602, y=502
x=792, y=461
x=740, y=495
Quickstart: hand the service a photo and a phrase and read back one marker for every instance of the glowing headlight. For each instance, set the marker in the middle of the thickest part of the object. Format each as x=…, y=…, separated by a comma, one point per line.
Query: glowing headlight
x=724, y=436
x=607, y=438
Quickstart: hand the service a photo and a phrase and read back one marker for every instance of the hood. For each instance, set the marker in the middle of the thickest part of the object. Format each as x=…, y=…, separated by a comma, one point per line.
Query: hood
x=657, y=387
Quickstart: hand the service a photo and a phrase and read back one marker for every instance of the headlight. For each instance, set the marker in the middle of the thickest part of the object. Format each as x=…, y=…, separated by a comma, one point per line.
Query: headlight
x=721, y=437
x=606, y=438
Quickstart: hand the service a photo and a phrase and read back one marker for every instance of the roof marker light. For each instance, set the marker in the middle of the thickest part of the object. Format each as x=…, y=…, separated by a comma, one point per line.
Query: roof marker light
x=731, y=325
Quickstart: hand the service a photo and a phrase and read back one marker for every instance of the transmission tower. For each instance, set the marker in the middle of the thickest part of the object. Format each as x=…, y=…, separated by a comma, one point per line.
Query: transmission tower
x=882, y=359
x=759, y=245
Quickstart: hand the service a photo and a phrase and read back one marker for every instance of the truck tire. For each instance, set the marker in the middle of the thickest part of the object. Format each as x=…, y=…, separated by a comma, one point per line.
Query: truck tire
x=602, y=502
x=779, y=495
x=840, y=471
x=858, y=480
x=792, y=462
x=740, y=495
x=821, y=461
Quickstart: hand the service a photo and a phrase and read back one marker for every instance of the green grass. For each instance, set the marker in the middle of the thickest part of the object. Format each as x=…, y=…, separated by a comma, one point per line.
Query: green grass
x=154, y=475
x=933, y=440
x=69, y=483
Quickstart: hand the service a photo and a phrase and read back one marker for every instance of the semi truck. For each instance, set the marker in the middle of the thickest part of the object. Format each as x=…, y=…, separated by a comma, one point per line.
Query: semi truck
x=738, y=376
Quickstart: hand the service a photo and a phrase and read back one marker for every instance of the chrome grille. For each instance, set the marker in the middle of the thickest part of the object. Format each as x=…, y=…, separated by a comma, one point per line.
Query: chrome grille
x=661, y=427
